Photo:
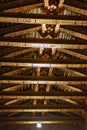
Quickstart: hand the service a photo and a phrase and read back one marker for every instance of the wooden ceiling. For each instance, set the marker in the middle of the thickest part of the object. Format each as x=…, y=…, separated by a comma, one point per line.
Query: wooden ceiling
x=43, y=75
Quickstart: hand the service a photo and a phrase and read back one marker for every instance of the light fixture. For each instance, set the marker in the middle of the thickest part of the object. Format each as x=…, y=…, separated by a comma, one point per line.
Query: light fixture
x=52, y=7
x=39, y=125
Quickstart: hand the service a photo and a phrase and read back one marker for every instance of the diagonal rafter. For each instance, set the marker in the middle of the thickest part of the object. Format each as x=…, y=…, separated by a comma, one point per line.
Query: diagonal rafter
x=67, y=86
x=73, y=33
x=12, y=88
x=11, y=102
x=11, y=72
x=20, y=6
x=23, y=51
x=70, y=101
x=18, y=30
x=72, y=53
x=75, y=6
x=75, y=72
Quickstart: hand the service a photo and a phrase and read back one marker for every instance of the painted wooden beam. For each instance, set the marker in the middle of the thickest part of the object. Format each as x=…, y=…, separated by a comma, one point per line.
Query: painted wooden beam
x=43, y=19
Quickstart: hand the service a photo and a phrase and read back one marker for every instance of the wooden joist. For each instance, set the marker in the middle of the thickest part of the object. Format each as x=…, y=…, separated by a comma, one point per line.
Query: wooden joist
x=39, y=62
x=43, y=120
x=41, y=108
x=42, y=95
x=43, y=19
x=43, y=43
x=42, y=79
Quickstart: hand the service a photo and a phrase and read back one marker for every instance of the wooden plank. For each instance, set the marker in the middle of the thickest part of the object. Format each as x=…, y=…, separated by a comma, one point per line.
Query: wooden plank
x=43, y=95
x=42, y=79
x=42, y=43
x=43, y=19
x=47, y=108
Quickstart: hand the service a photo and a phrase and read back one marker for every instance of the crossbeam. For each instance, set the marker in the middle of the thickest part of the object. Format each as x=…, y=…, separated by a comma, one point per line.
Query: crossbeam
x=43, y=43
x=42, y=95
x=42, y=108
x=43, y=19
x=42, y=79
x=43, y=120
x=39, y=62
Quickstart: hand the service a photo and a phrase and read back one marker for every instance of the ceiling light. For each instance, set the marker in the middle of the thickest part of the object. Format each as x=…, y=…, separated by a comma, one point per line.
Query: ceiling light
x=39, y=125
